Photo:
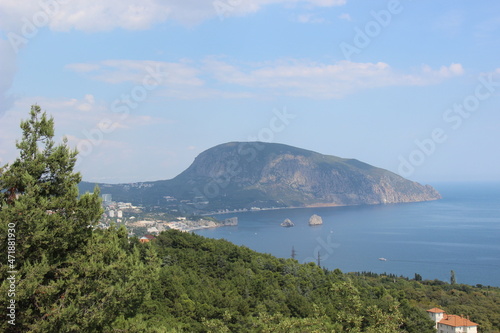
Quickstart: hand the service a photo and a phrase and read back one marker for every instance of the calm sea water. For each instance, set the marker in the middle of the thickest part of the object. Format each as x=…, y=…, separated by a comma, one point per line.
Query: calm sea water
x=461, y=232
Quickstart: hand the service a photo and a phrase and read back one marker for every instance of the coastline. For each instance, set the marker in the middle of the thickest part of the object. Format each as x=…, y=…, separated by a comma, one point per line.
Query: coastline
x=317, y=205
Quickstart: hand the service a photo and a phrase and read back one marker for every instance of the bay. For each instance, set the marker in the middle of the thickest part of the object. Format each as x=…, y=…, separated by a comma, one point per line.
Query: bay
x=460, y=232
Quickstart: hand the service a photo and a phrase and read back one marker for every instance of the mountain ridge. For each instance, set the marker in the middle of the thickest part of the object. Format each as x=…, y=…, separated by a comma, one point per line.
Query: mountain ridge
x=242, y=175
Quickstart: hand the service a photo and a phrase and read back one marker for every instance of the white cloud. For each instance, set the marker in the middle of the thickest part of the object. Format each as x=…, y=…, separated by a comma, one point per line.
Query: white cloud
x=181, y=80
x=109, y=14
x=319, y=80
x=444, y=71
x=20, y=21
x=452, y=70
x=216, y=78
x=102, y=15
x=86, y=15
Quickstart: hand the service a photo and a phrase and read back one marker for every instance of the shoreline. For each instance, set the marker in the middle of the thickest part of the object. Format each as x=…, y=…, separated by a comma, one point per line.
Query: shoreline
x=318, y=205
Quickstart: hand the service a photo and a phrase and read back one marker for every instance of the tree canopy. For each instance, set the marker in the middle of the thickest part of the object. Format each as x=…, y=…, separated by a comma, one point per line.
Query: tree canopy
x=40, y=195
x=68, y=276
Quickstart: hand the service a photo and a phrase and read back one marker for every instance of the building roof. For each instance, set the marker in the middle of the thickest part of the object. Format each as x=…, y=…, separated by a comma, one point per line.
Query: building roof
x=456, y=321
x=436, y=310
x=150, y=237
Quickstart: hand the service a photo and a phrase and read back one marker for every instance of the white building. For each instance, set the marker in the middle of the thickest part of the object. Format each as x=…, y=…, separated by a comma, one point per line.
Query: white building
x=111, y=213
x=446, y=323
x=119, y=214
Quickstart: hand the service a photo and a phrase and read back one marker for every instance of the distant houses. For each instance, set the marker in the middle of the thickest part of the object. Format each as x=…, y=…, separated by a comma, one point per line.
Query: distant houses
x=446, y=323
x=146, y=238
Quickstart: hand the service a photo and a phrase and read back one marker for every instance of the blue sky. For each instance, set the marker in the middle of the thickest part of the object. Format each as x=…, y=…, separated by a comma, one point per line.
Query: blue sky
x=142, y=87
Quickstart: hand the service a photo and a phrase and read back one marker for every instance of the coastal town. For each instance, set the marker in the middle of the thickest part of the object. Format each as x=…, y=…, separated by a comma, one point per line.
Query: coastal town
x=141, y=222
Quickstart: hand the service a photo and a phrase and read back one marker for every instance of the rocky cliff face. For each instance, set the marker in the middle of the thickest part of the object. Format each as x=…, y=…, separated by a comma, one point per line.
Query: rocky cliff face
x=254, y=174
x=290, y=176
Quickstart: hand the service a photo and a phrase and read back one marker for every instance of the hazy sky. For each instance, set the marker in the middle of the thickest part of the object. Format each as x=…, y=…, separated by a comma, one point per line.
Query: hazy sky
x=142, y=87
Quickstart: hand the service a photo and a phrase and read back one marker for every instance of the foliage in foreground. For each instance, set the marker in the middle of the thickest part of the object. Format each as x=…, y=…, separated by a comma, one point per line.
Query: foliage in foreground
x=72, y=278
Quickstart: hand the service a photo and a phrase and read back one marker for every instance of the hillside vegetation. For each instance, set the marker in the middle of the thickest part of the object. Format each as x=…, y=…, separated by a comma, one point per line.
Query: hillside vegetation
x=212, y=285
x=64, y=275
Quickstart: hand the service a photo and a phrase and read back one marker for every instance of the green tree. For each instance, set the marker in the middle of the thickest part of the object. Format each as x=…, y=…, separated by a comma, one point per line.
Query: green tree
x=39, y=195
x=69, y=277
x=42, y=218
x=105, y=282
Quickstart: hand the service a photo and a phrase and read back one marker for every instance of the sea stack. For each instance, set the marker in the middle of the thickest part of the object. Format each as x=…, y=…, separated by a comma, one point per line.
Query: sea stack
x=315, y=220
x=287, y=223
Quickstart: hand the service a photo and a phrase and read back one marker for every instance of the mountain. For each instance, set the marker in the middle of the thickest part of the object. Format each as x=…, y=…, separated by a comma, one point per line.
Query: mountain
x=239, y=175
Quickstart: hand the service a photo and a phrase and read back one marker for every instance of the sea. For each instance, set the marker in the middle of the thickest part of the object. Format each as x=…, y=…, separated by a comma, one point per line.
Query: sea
x=460, y=232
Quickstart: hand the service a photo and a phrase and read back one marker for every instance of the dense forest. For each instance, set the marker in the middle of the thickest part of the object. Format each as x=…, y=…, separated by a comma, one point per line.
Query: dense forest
x=63, y=275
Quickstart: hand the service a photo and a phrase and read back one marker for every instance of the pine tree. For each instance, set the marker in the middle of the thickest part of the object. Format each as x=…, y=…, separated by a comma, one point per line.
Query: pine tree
x=108, y=281
x=69, y=277
x=40, y=196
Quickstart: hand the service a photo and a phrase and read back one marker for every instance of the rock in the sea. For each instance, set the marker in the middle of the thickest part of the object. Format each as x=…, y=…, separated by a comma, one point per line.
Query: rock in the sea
x=230, y=221
x=315, y=220
x=287, y=223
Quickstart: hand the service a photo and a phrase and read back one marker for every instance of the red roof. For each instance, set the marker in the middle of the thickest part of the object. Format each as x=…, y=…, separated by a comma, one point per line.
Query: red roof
x=456, y=321
x=150, y=237
x=436, y=310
